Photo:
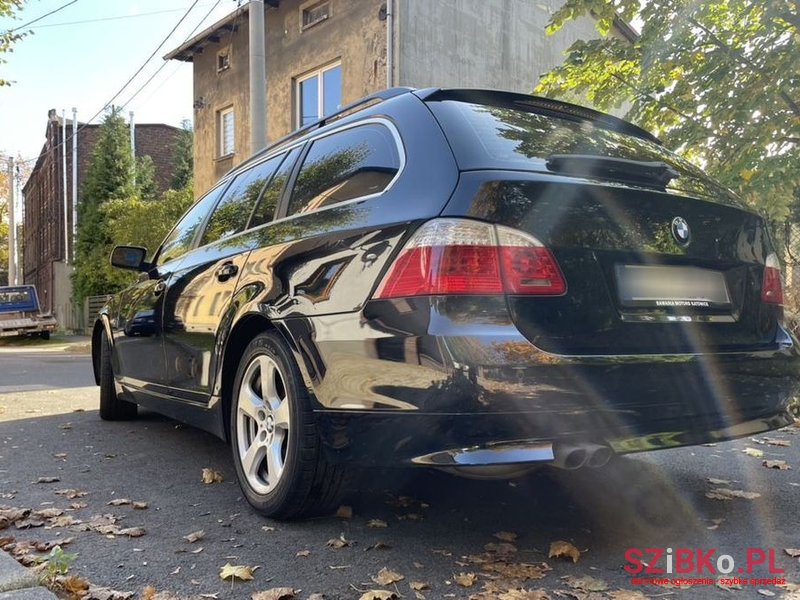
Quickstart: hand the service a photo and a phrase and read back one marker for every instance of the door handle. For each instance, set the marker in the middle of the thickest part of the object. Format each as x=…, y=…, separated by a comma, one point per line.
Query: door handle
x=227, y=271
x=159, y=288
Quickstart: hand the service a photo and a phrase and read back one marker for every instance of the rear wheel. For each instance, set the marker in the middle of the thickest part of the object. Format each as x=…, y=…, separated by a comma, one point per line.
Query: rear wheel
x=112, y=408
x=276, y=447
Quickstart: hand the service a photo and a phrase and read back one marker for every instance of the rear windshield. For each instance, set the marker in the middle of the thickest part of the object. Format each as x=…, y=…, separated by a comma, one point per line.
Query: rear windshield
x=493, y=137
x=17, y=299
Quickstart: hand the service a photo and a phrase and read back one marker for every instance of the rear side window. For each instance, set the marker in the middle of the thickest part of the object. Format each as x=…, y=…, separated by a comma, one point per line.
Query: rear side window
x=265, y=211
x=348, y=164
x=233, y=211
x=179, y=241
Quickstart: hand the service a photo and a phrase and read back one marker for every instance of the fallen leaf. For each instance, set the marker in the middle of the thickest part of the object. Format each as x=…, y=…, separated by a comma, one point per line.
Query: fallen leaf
x=139, y=505
x=340, y=542
x=562, y=549
x=378, y=595
x=195, y=536
x=303, y=553
x=71, y=494
x=418, y=586
x=74, y=585
x=280, y=593
x=377, y=524
x=344, y=512
x=585, y=583
x=378, y=546
x=133, y=532
x=465, y=579
x=119, y=502
x=233, y=572
x=506, y=536
x=727, y=494
x=776, y=464
x=77, y=505
x=777, y=442
x=627, y=595
x=48, y=480
x=503, y=548
x=104, y=593
x=753, y=452
x=767, y=593
x=63, y=521
x=793, y=552
x=211, y=476
x=387, y=577
x=718, y=481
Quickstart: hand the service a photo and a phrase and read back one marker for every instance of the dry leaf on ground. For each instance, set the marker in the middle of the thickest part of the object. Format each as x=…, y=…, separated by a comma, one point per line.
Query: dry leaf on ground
x=279, y=593
x=777, y=442
x=344, y=512
x=418, y=586
x=378, y=595
x=377, y=523
x=340, y=542
x=48, y=480
x=139, y=505
x=71, y=494
x=776, y=464
x=793, y=552
x=627, y=595
x=195, y=536
x=387, y=577
x=562, y=549
x=506, y=536
x=119, y=502
x=753, y=452
x=211, y=476
x=303, y=553
x=233, y=572
x=727, y=494
x=466, y=579
x=585, y=583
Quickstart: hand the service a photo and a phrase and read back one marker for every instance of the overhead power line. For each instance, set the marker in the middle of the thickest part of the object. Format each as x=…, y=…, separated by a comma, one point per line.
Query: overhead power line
x=112, y=18
x=52, y=12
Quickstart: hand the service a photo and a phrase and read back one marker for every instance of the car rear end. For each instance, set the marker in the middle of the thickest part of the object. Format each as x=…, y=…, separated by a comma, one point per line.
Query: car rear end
x=582, y=289
x=20, y=314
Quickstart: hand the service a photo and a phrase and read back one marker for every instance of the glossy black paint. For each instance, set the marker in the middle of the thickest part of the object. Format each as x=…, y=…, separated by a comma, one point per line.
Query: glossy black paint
x=396, y=380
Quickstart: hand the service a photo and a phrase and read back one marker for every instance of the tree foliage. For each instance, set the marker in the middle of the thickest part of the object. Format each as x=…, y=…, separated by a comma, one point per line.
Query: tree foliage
x=718, y=81
x=9, y=8
x=184, y=158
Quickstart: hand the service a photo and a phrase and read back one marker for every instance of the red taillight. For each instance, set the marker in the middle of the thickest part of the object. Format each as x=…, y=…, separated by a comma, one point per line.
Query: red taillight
x=458, y=256
x=772, y=282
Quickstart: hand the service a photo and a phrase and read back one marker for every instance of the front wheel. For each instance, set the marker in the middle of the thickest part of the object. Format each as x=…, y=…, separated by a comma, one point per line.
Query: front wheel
x=276, y=447
x=112, y=408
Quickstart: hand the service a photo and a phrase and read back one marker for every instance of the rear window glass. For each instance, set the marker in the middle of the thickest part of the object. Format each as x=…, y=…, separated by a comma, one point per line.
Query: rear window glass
x=496, y=137
x=14, y=299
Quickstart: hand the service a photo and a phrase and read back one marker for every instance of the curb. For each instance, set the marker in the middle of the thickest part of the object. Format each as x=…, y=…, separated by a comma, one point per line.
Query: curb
x=19, y=583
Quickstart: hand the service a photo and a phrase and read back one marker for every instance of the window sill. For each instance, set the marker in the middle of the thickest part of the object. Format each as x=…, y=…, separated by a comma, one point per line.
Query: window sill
x=224, y=157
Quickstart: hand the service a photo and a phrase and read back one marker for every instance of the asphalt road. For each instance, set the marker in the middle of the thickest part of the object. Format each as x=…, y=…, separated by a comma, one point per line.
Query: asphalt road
x=655, y=500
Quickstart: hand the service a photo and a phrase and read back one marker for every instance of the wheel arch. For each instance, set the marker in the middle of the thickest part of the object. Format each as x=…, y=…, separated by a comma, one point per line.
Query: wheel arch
x=100, y=326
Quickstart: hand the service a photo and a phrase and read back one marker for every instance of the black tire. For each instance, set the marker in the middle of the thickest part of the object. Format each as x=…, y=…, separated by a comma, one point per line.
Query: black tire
x=112, y=408
x=45, y=335
x=308, y=485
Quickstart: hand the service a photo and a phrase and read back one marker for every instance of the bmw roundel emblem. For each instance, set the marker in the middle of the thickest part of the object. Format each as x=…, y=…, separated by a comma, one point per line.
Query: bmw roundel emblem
x=680, y=231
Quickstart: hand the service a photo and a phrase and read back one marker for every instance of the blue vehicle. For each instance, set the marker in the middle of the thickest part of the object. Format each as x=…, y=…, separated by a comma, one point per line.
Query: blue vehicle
x=20, y=313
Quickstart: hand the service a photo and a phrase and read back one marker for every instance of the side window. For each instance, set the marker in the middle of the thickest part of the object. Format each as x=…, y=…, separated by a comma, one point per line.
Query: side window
x=265, y=211
x=179, y=240
x=234, y=209
x=345, y=165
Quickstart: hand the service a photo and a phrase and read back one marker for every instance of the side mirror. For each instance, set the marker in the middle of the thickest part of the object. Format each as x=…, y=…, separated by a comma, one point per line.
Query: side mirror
x=129, y=257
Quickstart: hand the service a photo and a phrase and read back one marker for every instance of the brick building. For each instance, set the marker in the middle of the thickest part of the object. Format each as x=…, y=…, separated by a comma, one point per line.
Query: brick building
x=45, y=245
x=323, y=54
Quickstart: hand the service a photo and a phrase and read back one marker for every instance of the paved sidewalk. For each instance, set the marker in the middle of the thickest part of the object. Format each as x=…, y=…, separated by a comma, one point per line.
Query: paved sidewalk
x=19, y=583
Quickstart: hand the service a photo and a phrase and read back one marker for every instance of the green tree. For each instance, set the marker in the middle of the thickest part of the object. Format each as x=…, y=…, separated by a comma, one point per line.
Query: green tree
x=9, y=8
x=718, y=81
x=146, y=178
x=184, y=158
x=109, y=176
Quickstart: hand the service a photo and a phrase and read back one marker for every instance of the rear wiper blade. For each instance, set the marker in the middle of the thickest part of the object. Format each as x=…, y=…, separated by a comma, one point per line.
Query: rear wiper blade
x=639, y=171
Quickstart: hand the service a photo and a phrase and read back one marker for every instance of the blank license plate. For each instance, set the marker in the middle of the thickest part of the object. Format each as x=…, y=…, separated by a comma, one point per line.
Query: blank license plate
x=658, y=286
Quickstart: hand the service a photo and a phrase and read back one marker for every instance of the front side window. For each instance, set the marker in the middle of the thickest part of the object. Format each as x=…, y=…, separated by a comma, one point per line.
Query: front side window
x=231, y=214
x=179, y=241
x=319, y=94
x=225, y=131
x=348, y=164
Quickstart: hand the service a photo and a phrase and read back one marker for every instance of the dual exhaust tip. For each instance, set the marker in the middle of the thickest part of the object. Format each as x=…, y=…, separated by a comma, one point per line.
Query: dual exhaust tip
x=576, y=456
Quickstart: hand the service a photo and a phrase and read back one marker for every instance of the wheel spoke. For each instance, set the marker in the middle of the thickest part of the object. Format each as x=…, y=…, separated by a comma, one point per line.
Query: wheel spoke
x=269, y=374
x=249, y=401
x=253, y=458
x=274, y=462
x=282, y=415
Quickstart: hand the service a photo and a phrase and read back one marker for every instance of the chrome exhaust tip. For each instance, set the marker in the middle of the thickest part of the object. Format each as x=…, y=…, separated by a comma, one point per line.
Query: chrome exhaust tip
x=598, y=456
x=570, y=457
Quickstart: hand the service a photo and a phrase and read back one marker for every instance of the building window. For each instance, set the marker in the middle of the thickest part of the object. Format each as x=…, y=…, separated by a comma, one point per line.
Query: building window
x=313, y=13
x=223, y=60
x=319, y=94
x=225, y=131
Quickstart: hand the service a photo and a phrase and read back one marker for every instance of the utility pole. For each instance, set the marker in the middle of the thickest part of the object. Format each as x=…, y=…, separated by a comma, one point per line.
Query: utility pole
x=64, y=182
x=133, y=146
x=12, y=227
x=258, y=77
x=74, y=182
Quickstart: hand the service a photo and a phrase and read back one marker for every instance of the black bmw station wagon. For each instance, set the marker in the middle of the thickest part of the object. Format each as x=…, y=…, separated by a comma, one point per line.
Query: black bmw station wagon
x=476, y=281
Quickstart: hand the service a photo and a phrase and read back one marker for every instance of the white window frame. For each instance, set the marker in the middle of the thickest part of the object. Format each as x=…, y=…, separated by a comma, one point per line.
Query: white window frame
x=311, y=5
x=318, y=73
x=223, y=149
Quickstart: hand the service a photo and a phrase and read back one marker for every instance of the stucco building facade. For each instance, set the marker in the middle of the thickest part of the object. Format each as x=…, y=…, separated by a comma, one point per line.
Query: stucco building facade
x=323, y=54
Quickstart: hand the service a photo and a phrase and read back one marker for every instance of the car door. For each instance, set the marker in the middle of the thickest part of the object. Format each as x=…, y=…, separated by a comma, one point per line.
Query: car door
x=200, y=291
x=138, y=327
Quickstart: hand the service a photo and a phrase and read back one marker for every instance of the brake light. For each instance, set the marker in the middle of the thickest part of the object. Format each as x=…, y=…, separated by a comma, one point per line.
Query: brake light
x=772, y=283
x=462, y=257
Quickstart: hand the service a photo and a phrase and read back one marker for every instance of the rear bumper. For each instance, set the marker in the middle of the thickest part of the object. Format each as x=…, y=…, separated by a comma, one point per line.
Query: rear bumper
x=417, y=395
x=26, y=327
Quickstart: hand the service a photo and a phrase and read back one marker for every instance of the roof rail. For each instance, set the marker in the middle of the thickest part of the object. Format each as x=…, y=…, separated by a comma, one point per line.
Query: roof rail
x=343, y=112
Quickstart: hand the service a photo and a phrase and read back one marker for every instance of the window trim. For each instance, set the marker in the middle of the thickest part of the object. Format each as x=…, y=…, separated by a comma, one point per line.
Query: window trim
x=310, y=5
x=318, y=73
x=221, y=131
x=226, y=52
x=398, y=140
